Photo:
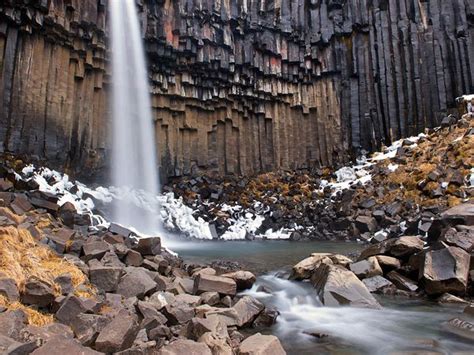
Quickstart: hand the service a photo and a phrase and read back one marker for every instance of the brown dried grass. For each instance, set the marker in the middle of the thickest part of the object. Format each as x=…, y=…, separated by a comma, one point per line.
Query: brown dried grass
x=34, y=317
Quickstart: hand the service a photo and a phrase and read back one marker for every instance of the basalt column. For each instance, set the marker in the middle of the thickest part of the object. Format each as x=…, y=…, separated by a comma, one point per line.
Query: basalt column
x=239, y=86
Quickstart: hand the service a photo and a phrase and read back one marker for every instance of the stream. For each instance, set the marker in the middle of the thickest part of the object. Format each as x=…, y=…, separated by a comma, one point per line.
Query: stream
x=407, y=325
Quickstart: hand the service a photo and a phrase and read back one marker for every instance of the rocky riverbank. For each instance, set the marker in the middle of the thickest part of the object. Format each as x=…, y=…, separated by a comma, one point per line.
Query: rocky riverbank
x=69, y=285
x=397, y=191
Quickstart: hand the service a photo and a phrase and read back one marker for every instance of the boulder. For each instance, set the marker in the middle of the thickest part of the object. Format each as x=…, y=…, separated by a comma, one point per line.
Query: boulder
x=148, y=246
x=209, y=283
x=402, y=282
x=95, y=250
x=61, y=345
x=366, y=268
x=136, y=283
x=243, y=279
x=9, y=289
x=337, y=286
x=366, y=224
x=218, y=345
x=105, y=278
x=178, y=313
x=70, y=308
x=388, y=263
x=9, y=346
x=12, y=322
x=119, y=334
x=86, y=327
x=38, y=293
x=305, y=268
x=200, y=326
x=185, y=346
x=266, y=318
x=461, y=239
x=259, y=344
x=64, y=281
x=191, y=300
x=460, y=214
x=377, y=284
x=133, y=258
x=405, y=246
x=445, y=270
x=247, y=308
x=210, y=298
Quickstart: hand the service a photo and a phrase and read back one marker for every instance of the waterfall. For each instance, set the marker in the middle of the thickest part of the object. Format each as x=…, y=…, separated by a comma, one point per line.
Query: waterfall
x=134, y=164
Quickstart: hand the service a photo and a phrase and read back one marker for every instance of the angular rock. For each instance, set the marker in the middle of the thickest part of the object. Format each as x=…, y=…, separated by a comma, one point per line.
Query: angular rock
x=366, y=268
x=9, y=346
x=178, y=313
x=388, y=263
x=462, y=239
x=9, y=289
x=12, y=322
x=133, y=258
x=243, y=279
x=65, y=283
x=61, y=345
x=208, y=283
x=259, y=344
x=247, y=308
x=460, y=214
x=366, y=224
x=337, y=286
x=37, y=293
x=86, y=327
x=402, y=282
x=404, y=246
x=305, y=268
x=119, y=334
x=105, y=278
x=200, y=326
x=445, y=270
x=185, y=346
x=95, y=250
x=460, y=327
x=218, y=345
x=210, y=298
x=136, y=283
x=148, y=246
x=70, y=308
x=377, y=284
x=266, y=318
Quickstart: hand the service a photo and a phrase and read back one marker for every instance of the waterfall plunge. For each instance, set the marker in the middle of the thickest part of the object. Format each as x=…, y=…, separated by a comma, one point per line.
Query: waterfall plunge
x=134, y=158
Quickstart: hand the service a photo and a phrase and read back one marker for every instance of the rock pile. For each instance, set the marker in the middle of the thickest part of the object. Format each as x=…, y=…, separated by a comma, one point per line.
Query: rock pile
x=392, y=194
x=68, y=288
x=437, y=267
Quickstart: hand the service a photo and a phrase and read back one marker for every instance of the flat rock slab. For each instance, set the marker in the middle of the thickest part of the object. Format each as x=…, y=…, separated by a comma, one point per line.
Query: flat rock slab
x=209, y=283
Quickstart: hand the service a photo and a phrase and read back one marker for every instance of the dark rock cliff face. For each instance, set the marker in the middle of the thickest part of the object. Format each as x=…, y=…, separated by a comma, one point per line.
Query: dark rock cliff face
x=239, y=86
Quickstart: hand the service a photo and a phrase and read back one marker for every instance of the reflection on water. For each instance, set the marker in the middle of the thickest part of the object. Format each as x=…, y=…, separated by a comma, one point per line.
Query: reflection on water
x=258, y=256
x=403, y=325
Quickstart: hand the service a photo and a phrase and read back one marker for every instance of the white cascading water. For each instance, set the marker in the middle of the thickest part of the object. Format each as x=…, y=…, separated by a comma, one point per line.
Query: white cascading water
x=134, y=156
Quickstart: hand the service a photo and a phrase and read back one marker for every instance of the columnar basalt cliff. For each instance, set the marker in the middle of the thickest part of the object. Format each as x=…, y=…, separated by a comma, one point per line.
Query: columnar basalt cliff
x=239, y=86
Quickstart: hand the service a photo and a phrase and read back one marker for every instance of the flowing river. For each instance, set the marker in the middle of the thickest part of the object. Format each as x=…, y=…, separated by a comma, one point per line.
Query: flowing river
x=306, y=327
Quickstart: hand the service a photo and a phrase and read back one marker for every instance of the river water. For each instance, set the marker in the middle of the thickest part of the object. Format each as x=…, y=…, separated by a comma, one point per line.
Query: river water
x=403, y=325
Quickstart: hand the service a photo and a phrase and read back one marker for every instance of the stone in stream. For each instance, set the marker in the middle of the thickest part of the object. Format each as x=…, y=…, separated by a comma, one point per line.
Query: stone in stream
x=243, y=279
x=305, y=268
x=377, y=284
x=460, y=327
x=445, y=270
x=337, y=286
x=185, y=346
x=259, y=344
x=402, y=282
x=247, y=309
x=366, y=268
x=209, y=283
